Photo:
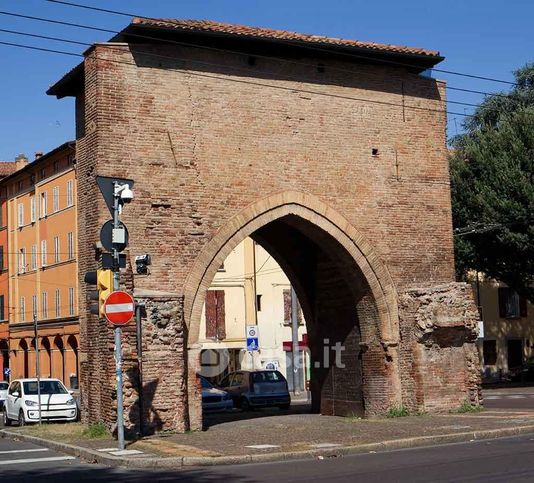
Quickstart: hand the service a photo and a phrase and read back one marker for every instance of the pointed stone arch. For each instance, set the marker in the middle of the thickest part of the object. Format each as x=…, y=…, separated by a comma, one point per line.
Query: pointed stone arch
x=313, y=210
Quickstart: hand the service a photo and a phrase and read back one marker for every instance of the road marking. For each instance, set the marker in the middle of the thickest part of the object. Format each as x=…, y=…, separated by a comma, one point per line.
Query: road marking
x=23, y=451
x=37, y=460
x=262, y=446
x=108, y=449
x=516, y=396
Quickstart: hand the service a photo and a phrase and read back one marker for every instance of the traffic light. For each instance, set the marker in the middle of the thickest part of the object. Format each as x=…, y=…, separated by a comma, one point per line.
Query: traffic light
x=103, y=279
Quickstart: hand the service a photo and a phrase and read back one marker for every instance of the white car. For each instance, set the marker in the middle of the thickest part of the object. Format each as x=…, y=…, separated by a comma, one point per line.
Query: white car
x=3, y=393
x=22, y=404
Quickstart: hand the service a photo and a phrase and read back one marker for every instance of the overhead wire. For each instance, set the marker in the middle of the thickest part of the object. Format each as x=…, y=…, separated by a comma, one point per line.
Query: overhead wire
x=203, y=47
x=451, y=72
x=257, y=83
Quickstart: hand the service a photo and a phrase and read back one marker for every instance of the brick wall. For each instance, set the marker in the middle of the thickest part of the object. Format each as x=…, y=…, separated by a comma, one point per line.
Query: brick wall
x=205, y=135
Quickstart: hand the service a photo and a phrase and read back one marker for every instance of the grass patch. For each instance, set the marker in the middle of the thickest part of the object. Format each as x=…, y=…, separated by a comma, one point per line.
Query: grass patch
x=467, y=407
x=397, y=412
x=96, y=431
x=66, y=432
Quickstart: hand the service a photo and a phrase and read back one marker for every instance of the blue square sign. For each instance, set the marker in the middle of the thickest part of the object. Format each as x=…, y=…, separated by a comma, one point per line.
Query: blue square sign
x=252, y=344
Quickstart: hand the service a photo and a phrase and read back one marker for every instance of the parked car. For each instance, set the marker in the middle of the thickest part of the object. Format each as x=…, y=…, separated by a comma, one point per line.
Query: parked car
x=214, y=399
x=523, y=373
x=22, y=404
x=255, y=389
x=3, y=393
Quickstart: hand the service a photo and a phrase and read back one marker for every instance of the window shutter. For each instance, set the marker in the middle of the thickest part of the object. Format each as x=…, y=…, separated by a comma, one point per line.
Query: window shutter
x=503, y=296
x=211, y=314
x=522, y=306
x=221, y=315
x=287, y=307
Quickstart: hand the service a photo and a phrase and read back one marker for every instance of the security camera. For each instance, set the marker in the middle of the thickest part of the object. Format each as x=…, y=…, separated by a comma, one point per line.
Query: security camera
x=124, y=191
x=127, y=194
x=141, y=263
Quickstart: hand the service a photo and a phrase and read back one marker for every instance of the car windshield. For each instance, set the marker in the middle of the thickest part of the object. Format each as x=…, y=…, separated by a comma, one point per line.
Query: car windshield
x=267, y=376
x=3, y=386
x=47, y=387
x=206, y=384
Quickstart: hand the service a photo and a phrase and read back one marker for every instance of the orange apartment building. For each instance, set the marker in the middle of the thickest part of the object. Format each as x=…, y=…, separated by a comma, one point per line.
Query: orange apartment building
x=6, y=168
x=42, y=266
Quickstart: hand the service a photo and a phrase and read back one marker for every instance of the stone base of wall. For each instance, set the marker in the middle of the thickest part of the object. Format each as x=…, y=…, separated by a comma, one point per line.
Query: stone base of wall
x=164, y=395
x=439, y=363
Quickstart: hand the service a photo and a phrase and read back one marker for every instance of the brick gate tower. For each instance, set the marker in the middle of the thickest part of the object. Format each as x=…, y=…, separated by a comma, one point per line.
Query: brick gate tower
x=330, y=153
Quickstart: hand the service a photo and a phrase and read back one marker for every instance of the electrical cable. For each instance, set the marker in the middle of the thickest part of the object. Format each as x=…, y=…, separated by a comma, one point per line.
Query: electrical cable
x=472, y=76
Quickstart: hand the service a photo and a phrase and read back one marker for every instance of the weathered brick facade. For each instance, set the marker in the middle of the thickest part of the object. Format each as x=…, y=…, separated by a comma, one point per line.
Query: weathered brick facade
x=340, y=171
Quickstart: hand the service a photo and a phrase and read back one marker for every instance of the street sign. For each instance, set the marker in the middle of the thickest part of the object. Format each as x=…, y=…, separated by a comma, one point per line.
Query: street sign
x=252, y=338
x=114, y=237
x=107, y=185
x=7, y=371
x=119, y=307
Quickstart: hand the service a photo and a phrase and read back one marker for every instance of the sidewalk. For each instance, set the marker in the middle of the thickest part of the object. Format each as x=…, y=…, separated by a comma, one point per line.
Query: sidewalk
x=270, y=435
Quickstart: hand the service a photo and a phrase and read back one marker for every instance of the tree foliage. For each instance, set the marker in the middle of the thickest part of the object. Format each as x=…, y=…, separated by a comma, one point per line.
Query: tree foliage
x=492, y=178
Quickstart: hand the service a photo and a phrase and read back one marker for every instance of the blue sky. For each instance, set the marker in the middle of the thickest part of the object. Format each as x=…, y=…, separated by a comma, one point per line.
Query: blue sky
x=489, y=38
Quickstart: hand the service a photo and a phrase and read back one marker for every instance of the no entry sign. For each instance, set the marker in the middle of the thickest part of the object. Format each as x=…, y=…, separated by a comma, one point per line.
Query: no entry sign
x=119, y=307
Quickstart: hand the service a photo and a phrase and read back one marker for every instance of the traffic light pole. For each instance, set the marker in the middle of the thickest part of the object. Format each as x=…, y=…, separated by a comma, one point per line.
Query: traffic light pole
x=118, y=347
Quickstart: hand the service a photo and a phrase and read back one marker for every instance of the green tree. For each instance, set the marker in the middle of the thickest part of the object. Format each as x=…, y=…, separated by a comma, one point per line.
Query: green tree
x=492, y=180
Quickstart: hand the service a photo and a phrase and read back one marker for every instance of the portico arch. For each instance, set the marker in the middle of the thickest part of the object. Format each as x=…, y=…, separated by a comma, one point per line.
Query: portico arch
x=326, y=254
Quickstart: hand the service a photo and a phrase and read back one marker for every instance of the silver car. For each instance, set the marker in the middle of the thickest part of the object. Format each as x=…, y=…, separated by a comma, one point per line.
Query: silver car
x=214, y=399
x=257, y=389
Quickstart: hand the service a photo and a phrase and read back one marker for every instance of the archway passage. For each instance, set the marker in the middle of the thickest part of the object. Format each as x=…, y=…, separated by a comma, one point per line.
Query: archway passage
x=350, y=372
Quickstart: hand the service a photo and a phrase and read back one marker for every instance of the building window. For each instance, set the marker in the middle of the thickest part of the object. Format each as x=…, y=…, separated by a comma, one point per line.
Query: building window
x=33, y=209
x=489, y=350
x=215, y=315
x=22, y=260
x=34, y=305
x=44, y=305
x=43, y=173
x=58, y=303
x=511, y=305
x=44, y=205
x=2, y=308
x=71, y=159
x=43, y=253
x=71, y=300
x=21, y=185
x=55, y=199
x=70, y=245
x=258, y=302
x=56, y=249
x=34, y=257
x=21, y=215
x=70, y=193
x=22, y=309
x=56, y=166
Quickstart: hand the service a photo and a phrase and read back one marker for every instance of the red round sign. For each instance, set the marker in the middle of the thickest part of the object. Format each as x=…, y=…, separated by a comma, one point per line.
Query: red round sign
x=119, y=307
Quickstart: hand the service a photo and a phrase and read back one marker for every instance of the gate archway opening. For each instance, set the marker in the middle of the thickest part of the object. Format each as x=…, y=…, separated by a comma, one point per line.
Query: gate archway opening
x=346, y=298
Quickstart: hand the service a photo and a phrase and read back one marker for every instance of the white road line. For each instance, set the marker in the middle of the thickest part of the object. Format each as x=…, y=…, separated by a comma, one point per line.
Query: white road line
x=13, y=451
x=262, y=446
x=37, y=460
x=516, y=396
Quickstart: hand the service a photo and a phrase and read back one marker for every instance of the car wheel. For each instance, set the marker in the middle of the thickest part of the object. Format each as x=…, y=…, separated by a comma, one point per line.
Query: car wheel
x=7, y=421
x=22, y=419
x=245, y=405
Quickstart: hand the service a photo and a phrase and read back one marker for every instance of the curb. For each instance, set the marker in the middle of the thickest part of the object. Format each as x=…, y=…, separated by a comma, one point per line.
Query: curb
x=93, y=456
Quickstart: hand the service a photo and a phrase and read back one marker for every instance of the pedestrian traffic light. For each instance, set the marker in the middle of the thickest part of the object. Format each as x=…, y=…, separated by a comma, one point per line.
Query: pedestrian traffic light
x=103, y=279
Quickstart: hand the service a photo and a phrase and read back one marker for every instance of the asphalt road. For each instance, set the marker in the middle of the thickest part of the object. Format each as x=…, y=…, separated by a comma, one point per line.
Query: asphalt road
x=509, y=398
x=502, y=460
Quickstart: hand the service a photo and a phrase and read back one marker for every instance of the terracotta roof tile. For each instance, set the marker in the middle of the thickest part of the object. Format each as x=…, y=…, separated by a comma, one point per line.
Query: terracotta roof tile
x=7, y=168
x=265, y=33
